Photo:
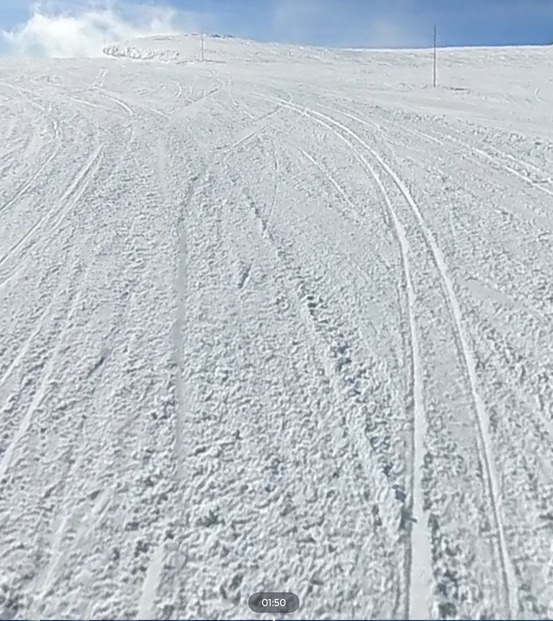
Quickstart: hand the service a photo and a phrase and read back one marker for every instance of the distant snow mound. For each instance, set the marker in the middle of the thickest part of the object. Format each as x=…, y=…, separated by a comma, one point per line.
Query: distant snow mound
x=129, y=51
x=189, y=48
x=170, y=48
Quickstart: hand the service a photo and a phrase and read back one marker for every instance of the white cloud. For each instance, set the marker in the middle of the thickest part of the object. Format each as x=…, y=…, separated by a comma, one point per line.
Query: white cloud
x=57, y=30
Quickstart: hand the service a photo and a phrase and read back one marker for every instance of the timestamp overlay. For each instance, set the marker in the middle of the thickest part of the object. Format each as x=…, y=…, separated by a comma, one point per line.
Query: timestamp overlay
x=281, y=602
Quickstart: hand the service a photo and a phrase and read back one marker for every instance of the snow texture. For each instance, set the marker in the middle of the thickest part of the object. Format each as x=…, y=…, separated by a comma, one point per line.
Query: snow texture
x=282, y=320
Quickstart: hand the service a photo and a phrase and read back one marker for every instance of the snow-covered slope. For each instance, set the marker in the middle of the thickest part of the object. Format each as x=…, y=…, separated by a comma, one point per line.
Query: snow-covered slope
x=278, y=320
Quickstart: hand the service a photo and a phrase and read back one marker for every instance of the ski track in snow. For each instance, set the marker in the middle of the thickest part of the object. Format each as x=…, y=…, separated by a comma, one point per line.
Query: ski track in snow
x=482, y=416
x=418, y=556
x=257, y=333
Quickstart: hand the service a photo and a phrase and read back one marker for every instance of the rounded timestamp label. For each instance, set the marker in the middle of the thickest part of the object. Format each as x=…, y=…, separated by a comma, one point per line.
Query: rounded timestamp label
x=275, y=603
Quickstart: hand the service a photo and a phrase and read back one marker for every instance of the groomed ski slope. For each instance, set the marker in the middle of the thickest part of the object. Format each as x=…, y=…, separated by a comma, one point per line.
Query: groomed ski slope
x=278, y=320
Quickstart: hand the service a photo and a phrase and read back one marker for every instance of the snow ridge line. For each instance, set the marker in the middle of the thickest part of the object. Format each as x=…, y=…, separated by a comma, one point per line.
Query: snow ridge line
x=275, y=189
x=29, y=183
x=494, y=159
x=508, y=168
x=484, y=440
x=354, y=213
x=26, y=420
x=84, y=521
x=23, y=351
x=73, y=192
x=108, y=95
x=419, y=559
x=483, y=421
x=177, y=335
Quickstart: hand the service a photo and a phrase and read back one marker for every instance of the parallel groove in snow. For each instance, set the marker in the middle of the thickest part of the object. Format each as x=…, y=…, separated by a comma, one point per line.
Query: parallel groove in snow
x=29, y=183
x=483, y=423
x=494, y=159
x=69, y=198
x=418, y=566
x=507, y=569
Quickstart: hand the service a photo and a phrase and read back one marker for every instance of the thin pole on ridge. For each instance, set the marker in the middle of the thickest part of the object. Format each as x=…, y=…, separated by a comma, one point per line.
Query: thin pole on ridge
x=203, y=48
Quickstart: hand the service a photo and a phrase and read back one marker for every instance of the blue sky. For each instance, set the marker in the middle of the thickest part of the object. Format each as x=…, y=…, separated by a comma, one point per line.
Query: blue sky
x=350, y=23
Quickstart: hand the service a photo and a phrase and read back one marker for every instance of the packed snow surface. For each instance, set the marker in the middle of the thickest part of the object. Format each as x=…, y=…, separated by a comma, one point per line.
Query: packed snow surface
x=279, y=320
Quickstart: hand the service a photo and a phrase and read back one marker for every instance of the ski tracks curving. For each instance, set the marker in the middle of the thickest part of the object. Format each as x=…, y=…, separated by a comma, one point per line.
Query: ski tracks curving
x=419, y=559
x=482, y=417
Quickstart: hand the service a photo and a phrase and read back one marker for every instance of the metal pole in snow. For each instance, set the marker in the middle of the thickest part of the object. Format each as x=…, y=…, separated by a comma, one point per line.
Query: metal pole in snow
x=203, y=56
x=434, y=80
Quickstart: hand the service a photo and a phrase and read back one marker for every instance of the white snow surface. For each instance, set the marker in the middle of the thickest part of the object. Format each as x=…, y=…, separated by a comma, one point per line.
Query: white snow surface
x=279, y=320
